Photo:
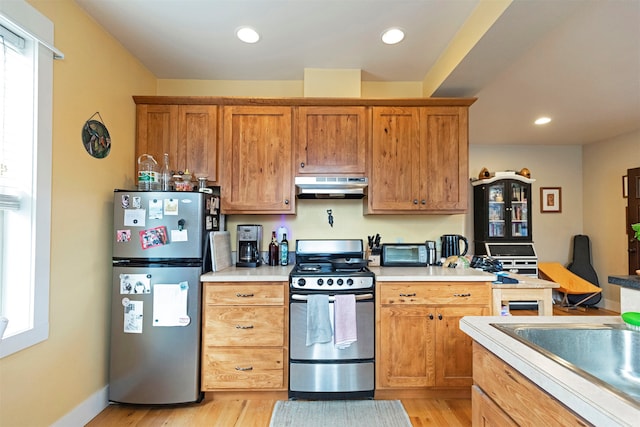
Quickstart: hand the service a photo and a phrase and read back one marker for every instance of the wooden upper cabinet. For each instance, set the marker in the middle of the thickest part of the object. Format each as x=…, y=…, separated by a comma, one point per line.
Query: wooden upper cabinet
x=331, y=140
x=444, y=158
x=257, y=160
x=188, y=133
x=419, y=160
x=394, y=180
x=157, y=131
x=197, y=140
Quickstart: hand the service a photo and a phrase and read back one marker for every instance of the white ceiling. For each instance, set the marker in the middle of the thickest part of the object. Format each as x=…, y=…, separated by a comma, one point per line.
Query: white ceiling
x=577, y=61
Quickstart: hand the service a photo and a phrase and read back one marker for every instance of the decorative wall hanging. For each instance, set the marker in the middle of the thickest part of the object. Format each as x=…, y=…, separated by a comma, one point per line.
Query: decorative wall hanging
x=95, y=138
x=550, y=199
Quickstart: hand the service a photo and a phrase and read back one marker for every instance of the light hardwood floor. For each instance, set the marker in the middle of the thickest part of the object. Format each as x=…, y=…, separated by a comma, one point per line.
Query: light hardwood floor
x=257, y=413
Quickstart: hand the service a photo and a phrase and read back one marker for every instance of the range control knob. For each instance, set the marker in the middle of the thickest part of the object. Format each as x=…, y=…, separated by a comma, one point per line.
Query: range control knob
x=329, y=282
x=350, y=282
x=340, y=282
x=320, y=282
x=302, y=282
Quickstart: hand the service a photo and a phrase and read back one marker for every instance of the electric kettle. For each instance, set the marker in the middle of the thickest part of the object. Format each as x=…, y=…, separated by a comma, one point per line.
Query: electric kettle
x=431, y=252
x=451, y=245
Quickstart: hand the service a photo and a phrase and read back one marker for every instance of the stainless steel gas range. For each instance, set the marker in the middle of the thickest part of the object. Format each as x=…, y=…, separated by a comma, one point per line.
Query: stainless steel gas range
x=324, y=370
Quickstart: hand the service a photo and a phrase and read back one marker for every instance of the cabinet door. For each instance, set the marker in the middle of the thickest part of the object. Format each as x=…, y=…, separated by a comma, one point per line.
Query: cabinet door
x=519, y=210
x=188, y=133
x=156, y=131
x=257, y=160
x=444, y=159
x=331, y=140
x=497, y=210
x=454, y=348
x=395, y=165
x=406, y=356
x=197, y=141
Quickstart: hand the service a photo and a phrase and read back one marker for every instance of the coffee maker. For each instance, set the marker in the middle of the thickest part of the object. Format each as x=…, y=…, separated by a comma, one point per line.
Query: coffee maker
x=249, y=241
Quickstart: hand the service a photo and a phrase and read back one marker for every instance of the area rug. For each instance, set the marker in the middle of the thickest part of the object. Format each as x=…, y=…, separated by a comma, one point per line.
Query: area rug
x=323, y=413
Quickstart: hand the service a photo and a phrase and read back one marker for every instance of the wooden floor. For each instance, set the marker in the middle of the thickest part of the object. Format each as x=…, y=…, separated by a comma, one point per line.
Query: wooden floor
x=257, y=413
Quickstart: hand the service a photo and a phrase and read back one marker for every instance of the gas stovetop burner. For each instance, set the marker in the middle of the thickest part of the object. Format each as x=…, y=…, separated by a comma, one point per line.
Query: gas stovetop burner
x=319, y=267
x=309, y=268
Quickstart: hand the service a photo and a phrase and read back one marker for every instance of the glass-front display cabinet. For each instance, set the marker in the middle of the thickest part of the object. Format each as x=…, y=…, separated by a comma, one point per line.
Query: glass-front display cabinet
x=502, y=210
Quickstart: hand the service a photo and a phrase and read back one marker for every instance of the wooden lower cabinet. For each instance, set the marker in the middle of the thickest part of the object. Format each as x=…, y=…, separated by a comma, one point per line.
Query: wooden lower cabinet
x=244, y=336
x=419, y=342
x=485, y=412
x=502, y=396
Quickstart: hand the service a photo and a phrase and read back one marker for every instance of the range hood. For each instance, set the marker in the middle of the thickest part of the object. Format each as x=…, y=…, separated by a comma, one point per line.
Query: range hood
x=331, y=187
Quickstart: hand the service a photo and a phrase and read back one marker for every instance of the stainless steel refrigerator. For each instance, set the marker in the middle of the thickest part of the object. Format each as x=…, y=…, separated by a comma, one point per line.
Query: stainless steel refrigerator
x=160, y=249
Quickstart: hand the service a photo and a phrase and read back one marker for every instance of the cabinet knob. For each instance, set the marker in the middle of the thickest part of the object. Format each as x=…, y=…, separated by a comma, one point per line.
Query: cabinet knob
x=301, y=164
x=286, y=201
x=439, y=316
x=423, y=201
x=430, y=316
x=415, y=201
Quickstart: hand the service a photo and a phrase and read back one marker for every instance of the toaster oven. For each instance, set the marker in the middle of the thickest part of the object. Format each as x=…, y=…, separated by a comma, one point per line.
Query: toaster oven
x=404, y=255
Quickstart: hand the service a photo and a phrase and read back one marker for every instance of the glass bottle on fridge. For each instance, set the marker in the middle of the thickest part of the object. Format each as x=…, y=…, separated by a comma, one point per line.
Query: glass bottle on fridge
x=502, y=211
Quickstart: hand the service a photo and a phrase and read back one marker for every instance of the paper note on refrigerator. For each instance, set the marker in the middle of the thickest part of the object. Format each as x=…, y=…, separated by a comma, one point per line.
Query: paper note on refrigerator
x=132, y=316
x=170, y=304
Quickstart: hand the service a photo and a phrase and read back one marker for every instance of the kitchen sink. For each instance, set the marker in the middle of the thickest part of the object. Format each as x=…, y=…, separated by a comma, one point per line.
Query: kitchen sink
x=606, y=354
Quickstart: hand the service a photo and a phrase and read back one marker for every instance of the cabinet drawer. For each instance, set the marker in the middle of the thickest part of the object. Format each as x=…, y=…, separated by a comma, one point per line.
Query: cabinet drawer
x=241, y=326
x=435, y=293
x=516, y=395
x=240, y=294
x=247, y=368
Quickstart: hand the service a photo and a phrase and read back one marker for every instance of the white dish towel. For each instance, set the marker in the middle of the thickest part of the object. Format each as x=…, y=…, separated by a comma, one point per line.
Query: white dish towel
x=318, y=320
x=346, y=328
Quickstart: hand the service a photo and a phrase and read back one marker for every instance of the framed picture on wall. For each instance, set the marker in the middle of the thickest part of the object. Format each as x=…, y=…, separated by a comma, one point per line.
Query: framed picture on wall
x=550, y=199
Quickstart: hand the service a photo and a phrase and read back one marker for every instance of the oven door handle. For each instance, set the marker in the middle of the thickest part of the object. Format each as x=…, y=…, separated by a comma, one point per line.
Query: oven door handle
x=298, y=297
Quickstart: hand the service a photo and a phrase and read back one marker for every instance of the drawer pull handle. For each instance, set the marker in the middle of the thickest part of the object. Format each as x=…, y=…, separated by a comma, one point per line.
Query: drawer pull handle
x=244, y=327
x=240, y=368
x=239, y=295
x=462, y=295
x=408, y=295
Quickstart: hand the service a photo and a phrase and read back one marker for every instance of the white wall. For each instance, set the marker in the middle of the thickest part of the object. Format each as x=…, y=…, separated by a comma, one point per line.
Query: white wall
x=604, y=164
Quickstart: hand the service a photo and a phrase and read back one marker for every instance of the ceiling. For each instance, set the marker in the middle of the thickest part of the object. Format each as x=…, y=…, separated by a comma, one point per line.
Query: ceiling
x=575, y=61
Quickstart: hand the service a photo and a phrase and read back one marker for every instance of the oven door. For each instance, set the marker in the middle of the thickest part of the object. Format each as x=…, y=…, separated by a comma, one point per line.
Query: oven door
x=362, y=349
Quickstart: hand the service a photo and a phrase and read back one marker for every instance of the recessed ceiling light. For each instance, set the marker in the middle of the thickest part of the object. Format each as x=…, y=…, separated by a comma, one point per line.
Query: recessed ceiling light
x=392, y=36
x=247, y=34
x=542, y=120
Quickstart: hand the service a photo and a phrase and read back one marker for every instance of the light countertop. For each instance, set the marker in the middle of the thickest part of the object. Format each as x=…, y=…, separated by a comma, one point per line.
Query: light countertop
x=597, y=405
x=264, y=273
x=431, y=274
x=383, y=274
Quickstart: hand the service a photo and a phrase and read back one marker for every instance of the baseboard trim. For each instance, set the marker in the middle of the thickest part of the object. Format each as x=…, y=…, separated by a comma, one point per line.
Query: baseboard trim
x=86, y=411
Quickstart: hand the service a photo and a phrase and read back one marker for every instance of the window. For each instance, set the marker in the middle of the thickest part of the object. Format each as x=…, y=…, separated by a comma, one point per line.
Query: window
x=26, y=82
